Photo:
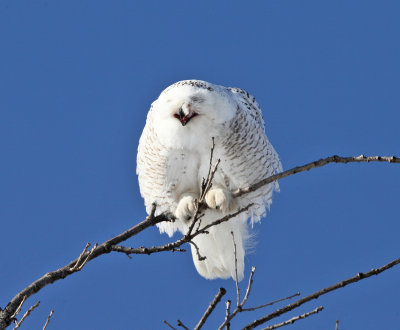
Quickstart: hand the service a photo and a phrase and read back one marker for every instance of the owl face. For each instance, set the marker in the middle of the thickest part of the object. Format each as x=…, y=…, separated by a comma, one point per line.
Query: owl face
x=187, y=111
x=184, y=102
x=190, y=111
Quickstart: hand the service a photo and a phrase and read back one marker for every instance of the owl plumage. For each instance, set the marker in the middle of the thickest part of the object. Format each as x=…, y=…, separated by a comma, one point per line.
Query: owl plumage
x=174, y=155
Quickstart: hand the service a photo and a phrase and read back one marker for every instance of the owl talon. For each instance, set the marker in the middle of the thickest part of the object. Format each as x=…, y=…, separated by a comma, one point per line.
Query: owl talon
x=186, y=207
x=219, y=199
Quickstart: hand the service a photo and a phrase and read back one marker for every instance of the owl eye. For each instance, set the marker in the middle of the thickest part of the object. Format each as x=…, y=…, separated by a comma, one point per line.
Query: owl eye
x=197, y=99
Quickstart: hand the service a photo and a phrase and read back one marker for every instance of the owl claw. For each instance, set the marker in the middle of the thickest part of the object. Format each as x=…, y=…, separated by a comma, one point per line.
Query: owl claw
x=186, y=207
x=219, y=199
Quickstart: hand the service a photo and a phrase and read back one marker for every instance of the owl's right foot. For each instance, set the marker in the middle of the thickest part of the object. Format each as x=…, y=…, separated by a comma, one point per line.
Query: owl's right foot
x=186, y=207
x=220, y=199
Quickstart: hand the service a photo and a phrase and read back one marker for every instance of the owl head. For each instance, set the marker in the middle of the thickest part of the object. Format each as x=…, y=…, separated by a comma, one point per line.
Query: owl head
x=190, y=109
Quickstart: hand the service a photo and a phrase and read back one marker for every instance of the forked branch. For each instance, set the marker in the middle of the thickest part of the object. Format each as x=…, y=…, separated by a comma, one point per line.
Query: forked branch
x=315, y=295
x=294, y=319
x=210, y=308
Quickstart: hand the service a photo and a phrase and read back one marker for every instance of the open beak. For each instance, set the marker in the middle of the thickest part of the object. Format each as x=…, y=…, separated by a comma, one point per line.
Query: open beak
x=184, y=119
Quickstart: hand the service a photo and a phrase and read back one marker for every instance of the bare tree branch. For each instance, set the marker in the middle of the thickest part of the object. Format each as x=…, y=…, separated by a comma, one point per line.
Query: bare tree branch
x=315, y=295
x=207, y=182
x=239, y=306
x=180, y=324
x=294, y=319
x=106, y=247
x=227, y=313
x=18, y=324
x=83, y=258
x=205, y=187
x=169, y=325
x=199, y=256
x=75, y=267
x=48, y=320
x=61, y=273
x=247, y=294
x=309, y=166
x=144, y=250
x=6, y=315
x=185, y=239
x=210, y=308
x=19, y=308
x=271, y=303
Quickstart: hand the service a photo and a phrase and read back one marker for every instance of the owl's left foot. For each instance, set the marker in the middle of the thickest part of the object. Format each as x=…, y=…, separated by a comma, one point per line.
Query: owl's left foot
x=220, y=199
x=186, y=207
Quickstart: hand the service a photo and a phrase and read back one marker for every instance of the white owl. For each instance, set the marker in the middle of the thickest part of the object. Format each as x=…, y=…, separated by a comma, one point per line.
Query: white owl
x=174, y=155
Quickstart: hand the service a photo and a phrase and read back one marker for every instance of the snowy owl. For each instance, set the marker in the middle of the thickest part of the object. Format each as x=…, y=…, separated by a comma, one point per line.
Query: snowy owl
x=174, y=155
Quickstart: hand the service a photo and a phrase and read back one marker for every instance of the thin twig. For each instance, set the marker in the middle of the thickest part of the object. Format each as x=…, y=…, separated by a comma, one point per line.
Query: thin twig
x=195, y=218
x=210, y=308
x=309, y=166
x=199, y=221
x=18, y=324
x=175, y=245
x=76, y=266
x=246, y=296
x=315, y=295
x=180, y=324
x=87, y=257
x=48, y=320
x=169, y=325
x=209, y=182
x=19, y=308
x=294, y=319
x=227, y=313
x=221, y=220
x=239, y=306
x=271, y=303
x=206, y=181
x=199, y=256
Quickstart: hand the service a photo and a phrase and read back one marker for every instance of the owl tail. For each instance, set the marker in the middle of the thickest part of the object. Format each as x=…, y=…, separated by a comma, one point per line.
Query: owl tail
x=218, y=247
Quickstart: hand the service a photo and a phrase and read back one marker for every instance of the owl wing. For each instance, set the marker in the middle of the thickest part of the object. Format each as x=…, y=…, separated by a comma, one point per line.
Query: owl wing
x=248, y=101
x=248, y=156
x=158, y=174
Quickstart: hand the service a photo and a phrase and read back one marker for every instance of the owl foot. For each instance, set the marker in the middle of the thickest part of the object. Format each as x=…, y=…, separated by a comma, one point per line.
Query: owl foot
x=186, y=207
x=220, y=199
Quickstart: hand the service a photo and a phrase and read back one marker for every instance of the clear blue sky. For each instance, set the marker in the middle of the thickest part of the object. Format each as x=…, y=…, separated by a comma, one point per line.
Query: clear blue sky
x=76, y=81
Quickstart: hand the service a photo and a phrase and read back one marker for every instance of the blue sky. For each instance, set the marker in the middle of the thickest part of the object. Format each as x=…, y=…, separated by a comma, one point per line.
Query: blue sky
x=76, y=81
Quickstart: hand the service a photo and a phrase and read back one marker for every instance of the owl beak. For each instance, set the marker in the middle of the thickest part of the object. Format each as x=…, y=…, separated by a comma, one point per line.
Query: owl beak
x=183, y=118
